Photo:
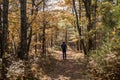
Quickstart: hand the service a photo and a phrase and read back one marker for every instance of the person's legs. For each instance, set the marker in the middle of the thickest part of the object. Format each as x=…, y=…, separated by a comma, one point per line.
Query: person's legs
x=65, y=55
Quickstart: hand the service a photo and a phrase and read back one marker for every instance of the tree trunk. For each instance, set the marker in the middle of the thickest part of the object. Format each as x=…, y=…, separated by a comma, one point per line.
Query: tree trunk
x=14, y=45
x=40, y=40
x=66, y=36
x=35, y=43
x=4, y=39
x=80, y=42
x=87, y=4
x=22, y=54
x=43, y=32
x=29, y=39
x=79, y=28
x=51, y=41
x=29, y=25
x=44, y=40
x=1, y=50
x=95, y=19
x=5, y=25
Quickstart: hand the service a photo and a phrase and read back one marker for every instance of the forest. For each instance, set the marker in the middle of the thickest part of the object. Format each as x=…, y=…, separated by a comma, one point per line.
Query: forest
x=32, y=33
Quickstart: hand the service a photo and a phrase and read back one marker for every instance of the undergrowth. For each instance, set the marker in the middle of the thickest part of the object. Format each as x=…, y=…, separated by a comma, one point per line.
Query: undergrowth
x=104, y=63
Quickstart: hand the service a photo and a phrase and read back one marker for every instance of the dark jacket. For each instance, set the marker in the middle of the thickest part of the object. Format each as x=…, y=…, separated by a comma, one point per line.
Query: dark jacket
x=64, y=47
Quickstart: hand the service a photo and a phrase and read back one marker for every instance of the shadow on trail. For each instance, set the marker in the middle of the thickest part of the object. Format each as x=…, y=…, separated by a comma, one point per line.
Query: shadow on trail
x=71, y=69
x=68, y=70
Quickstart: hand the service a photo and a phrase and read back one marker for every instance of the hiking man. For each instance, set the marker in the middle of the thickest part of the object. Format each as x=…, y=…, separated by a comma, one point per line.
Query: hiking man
x=64, y=47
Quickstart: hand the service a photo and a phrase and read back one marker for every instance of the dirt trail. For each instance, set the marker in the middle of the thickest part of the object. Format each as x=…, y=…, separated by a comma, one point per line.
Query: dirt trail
x=71, y=69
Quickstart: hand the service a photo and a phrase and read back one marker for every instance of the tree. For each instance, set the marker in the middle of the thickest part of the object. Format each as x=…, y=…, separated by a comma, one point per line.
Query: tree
x=90, y=9
x=43, y=31
x=1, y=31
x=79, y=28
x=22, y=54
x=5, y=39
x=87, y=5
x=94, y=23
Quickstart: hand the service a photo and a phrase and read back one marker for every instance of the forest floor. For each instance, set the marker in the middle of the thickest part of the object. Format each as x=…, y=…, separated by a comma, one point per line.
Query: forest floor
x=52, y=68
x=71, y=69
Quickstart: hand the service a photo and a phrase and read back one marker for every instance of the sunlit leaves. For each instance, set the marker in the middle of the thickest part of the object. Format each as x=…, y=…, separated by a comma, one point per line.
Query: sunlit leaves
x=110, y=14
x=68, y=2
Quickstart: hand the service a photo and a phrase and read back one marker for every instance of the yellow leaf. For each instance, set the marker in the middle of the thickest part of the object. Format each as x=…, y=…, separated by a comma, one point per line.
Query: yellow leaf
x=113, y=32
